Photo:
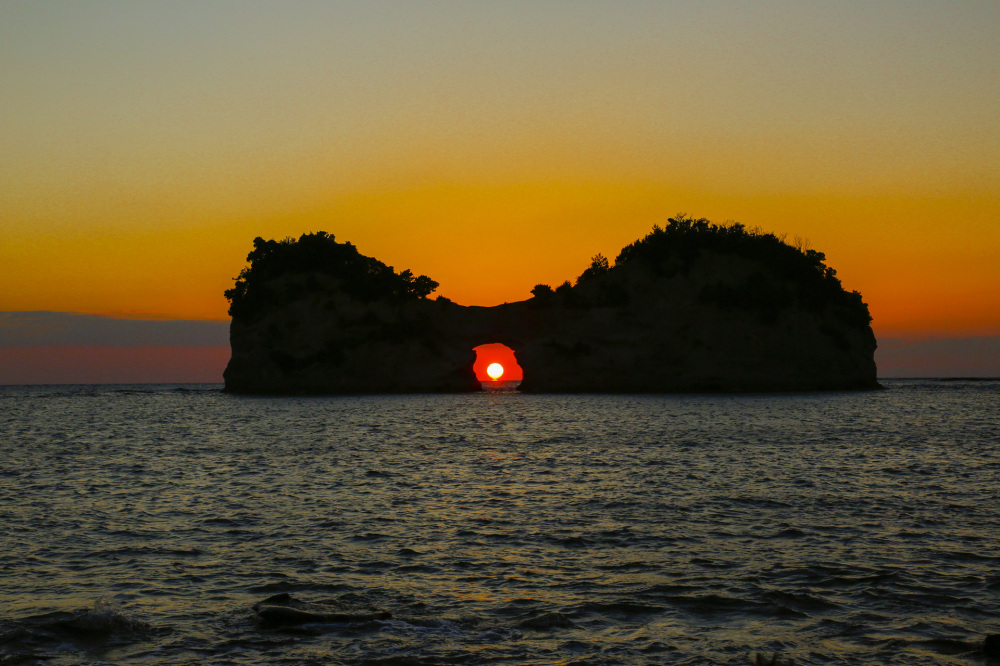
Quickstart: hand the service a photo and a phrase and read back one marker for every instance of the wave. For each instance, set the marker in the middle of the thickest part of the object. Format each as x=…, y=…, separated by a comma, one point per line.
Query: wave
x=37, y=637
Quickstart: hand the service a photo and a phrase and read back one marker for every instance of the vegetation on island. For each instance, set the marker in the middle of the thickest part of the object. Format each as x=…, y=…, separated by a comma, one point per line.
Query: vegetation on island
x=321, y=263
x=791, y=274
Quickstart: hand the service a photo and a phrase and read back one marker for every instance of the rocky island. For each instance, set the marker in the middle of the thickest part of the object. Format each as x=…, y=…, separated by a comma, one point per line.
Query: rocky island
x=692, y=307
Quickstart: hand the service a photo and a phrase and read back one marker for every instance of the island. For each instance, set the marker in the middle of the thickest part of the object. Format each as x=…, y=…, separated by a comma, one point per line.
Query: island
x=691, y=307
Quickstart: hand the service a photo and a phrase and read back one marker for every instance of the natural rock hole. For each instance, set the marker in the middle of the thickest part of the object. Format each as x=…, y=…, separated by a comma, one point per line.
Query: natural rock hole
x=497, y=353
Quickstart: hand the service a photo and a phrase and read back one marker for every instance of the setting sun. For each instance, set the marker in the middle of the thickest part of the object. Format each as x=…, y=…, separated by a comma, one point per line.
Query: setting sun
x=495, y=371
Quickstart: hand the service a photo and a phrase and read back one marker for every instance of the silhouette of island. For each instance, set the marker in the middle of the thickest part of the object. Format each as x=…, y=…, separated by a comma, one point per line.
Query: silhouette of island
x=693, y=306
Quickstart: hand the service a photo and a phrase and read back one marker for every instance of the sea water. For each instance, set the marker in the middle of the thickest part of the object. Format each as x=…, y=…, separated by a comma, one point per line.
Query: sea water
x=142, y=523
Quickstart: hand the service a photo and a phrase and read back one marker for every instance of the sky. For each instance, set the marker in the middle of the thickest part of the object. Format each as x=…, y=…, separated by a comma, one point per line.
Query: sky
x=492, y=146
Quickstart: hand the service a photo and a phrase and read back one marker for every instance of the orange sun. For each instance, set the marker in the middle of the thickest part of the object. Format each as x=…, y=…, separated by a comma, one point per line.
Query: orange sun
x=495, y=371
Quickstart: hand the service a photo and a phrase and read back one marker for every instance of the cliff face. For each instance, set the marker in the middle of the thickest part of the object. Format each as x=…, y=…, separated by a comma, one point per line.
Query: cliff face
x=711, y=320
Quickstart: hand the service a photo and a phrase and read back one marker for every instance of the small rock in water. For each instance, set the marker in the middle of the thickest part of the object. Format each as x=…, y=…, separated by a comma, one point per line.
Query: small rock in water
x=546, y=621
x=991, y=646
x=774, y=660
x=280, y=598
x=284, y=609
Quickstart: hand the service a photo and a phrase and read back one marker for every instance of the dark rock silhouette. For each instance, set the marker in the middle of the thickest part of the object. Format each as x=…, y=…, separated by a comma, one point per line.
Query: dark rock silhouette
x=284, y=609
x=774, y=660
x=991, y=646
x=691, y=307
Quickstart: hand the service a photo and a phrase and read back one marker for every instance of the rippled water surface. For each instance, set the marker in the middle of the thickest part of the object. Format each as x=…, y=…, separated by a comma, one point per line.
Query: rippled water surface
x=142, y=523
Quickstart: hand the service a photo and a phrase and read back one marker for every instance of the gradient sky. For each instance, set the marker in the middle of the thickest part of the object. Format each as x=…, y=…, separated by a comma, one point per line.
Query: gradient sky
x=493, y=146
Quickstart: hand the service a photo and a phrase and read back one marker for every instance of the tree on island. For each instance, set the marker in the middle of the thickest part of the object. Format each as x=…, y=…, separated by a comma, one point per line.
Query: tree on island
x=542, y=291
x=794, y=273
x=598, y=267
x=314, y=257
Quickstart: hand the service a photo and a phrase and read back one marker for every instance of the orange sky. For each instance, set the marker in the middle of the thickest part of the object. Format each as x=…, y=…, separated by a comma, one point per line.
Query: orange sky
x=495, y=146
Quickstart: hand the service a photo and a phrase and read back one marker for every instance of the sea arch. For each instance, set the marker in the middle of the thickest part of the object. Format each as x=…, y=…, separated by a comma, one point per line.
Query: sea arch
x=497, y=352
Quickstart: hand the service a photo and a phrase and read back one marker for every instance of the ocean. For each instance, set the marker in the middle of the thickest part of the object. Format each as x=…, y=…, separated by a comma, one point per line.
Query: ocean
x=145, y=523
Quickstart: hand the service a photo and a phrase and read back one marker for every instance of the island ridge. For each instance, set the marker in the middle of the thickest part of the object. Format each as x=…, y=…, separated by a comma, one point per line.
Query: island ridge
x=691, y=307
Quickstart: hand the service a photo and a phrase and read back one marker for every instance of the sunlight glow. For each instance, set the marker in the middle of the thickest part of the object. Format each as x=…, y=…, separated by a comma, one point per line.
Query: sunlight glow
x=495, y=371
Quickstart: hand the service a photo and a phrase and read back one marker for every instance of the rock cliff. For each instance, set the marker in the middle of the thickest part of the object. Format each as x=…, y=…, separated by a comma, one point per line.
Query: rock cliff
x=690, y=307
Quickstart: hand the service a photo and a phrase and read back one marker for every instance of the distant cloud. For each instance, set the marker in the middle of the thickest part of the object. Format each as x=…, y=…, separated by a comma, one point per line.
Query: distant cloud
x=895, y=357
x=30, y=329
x=945, y=357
